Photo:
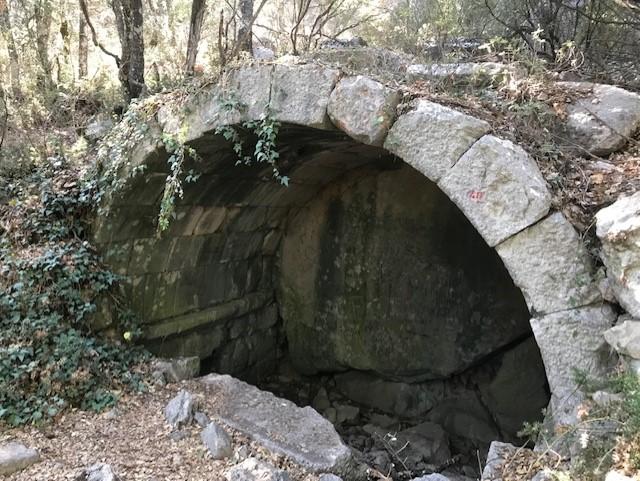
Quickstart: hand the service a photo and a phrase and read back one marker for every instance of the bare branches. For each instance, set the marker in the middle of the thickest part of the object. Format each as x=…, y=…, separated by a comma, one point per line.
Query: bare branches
x=94, y=35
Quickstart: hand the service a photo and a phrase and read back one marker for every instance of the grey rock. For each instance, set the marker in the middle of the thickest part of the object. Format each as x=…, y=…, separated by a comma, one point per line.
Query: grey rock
x=346, y=413
x=98, y=129
x=544, y=476
x=605, y=399
x=570, y=340
x=498, y=453
x=363, y=108
x=321, y=400
x=263, y=53
x=179, y=411
x=329, y=477
x=432, y=138
x=201, y=419
x=98, y=472
x=217, y=441
x=603, y=119
x=467, y=72
x=426, y=442
x=499, y=188
x=15, y=457
x=253, y=470
x=301, y=434
x=625, y=338
x=300, y=94
x=618, y=227
x=178, y=435
x=432, y=477
x=616, y=476
x=550, y=264
x=177, y=369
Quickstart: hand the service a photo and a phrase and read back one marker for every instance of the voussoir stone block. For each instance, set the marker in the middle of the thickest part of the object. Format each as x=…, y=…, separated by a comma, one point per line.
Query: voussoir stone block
x=618, y=227
x=550, y=264
x=572, y=340
x=363, y=108
x=499, y=188
x=432, y=138
x=300, y=94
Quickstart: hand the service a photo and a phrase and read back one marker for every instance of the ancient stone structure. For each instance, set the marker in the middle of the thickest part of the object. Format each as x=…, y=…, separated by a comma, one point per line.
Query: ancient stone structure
x=376, y=257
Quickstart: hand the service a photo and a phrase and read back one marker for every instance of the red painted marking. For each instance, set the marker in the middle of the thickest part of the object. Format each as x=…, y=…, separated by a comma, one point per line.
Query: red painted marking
x=476, y=195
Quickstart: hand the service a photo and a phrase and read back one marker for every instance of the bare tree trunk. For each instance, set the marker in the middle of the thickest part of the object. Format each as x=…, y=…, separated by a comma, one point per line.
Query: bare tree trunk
x=14, y=62
x=136, y=45
x=43, y=17
x=244, y=32
x=198, y=8
x=83, y=48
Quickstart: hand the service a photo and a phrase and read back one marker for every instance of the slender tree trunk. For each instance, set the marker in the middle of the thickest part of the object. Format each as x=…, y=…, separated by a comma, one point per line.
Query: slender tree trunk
x=244, y=32
x=198, y=8
x=14, y=62
x=83, y=48
x=136, y=44
x=43, y=17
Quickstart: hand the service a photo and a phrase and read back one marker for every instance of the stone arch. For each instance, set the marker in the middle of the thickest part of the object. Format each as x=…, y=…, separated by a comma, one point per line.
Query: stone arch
x=493, y=182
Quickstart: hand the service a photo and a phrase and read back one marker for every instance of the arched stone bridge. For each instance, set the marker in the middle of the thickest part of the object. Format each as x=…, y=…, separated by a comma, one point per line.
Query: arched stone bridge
x=386, y=252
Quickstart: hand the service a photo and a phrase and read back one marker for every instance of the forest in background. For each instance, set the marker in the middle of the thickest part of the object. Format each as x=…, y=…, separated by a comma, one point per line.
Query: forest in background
x=64, y=61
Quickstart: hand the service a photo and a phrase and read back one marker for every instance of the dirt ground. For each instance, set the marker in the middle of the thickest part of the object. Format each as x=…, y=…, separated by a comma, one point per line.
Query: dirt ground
x=134, y=439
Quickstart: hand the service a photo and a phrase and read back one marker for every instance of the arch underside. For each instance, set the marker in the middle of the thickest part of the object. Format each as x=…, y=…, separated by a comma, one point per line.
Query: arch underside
x=238, y=268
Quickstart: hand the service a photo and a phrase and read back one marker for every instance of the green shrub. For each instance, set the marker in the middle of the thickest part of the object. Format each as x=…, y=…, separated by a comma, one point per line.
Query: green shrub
x=51, y=280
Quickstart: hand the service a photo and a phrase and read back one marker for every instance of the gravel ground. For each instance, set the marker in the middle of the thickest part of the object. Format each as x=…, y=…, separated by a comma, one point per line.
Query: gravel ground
x=135, y=442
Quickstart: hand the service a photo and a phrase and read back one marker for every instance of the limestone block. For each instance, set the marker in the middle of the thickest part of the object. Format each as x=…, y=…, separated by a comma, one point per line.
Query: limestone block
x=363, y=108
x=300, y=94
x=279, y=425
x=498, y=454
x=618, y=227
x=550, y=265
x=604, y=118
x=498, y=187
x=572, y=340
x=432, y=138
x=15, y=457
x=467, y=72
x=625, y=338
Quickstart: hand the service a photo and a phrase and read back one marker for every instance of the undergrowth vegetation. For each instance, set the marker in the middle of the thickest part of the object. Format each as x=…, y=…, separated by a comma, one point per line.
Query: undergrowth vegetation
x=51, y=283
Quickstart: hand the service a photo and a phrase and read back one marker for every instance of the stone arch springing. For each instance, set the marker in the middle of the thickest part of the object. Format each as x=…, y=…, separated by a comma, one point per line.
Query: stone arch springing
x=493, y=182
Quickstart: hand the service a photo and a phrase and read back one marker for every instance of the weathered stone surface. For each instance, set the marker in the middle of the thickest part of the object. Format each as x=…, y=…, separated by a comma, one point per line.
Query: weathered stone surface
x=329, y=477
x=426, y=442
x=378, y=61
x=178, y=369
x=432, y=138
x=498, y=454
x=604, y=118
x=625, y=338
x=279, y=425
x=217, y=441
x=402, y=399
x=616, y=476
x=363, y=108
x=253, y=470
x=15, y=457
x=499, y=188
x=300, y=95
x=179, y=411
x=448, y=300
x=618, y=227
x=98, y=472
x=571, y=340
x=98, y=128
x=467, y=72
x=521, y=375
x=550, y=265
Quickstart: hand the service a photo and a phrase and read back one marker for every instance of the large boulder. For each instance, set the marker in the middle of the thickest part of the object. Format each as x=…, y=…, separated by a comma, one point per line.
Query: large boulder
x=618, y=227
x=15, y=457
x=603, y=118
x=572, y=341
x=432, y=138
x=499, y=188
x=301, y=434
x=363, y=108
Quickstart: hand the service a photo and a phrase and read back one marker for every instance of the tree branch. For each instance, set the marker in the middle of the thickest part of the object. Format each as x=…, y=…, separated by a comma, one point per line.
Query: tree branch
x=94, y=35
